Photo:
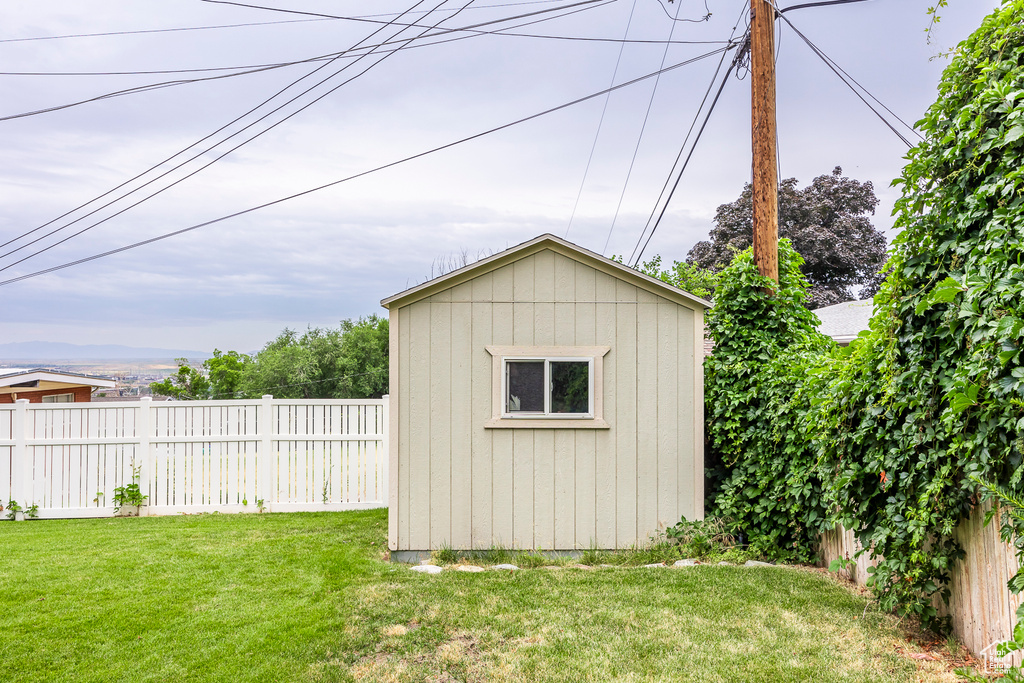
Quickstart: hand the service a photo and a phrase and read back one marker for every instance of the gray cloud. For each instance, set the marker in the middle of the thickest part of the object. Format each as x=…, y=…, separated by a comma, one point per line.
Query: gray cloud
x=335, y=254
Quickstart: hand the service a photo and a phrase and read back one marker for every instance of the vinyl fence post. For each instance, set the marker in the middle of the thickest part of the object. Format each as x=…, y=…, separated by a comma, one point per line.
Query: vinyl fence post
x=266, y=453
x=21, y=462
x=144, y=433
x=385, y=450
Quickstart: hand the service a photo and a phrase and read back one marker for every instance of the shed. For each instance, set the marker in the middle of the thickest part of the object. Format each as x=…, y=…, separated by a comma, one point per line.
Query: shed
x=544, y=398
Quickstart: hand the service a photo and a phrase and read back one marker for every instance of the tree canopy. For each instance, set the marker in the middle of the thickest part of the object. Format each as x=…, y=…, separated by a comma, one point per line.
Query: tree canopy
x=350, y=361
x=828, y=223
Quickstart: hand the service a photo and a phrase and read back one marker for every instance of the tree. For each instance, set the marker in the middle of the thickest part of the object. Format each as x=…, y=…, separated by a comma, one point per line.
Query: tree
x=187, y=383
x=686, y=276
x=829, y=226
x=348, y=362
x=689, y=277
x=218, y=378
x=225, y=371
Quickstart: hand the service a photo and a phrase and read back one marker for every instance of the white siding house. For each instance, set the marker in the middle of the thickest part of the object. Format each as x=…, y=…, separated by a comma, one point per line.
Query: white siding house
x=547, y=398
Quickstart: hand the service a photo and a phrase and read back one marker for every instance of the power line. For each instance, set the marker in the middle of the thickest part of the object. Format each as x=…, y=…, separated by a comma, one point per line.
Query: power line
x=251, y=23
x=499, y=32
x=690, y=21
x=640, y=136
x=600, y=123
x=155, y=30
x=846, y=79
x=167, y=84
x=419, y=155
x=823, y=3
x=693, y=147
x=180, y=165
x=737, y=61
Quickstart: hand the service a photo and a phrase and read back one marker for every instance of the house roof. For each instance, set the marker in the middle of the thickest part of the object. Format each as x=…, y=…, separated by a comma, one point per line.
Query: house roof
x=537, y=244
x=12, y=379
x=843, y=322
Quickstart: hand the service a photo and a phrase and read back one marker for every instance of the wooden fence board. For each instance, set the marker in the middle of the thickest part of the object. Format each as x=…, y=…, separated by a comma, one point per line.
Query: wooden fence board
x=981, y=607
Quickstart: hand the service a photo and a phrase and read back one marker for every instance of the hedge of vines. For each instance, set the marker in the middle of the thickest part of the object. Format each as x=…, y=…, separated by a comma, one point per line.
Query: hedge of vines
x=761, y=463
x=884, y=436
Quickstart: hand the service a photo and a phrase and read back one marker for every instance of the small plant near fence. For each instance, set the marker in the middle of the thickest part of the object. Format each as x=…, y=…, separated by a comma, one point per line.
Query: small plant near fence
x=130, y=495
x=13, y=508
x=701, y=538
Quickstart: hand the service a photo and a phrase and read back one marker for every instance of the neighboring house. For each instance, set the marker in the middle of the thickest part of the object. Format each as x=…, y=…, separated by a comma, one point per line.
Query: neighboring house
x=843, y=322
x=545, y=398
x=40, y=385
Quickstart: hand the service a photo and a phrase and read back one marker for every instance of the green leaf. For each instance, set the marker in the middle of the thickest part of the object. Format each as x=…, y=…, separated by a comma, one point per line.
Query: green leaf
x=1015, y=134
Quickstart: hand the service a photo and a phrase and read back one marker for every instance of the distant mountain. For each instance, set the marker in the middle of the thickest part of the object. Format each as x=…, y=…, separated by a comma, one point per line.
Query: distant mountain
x=39, y=350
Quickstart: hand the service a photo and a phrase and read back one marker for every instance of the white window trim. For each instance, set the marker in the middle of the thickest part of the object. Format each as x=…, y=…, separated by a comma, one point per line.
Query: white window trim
x=68, y=397
x=500, y=419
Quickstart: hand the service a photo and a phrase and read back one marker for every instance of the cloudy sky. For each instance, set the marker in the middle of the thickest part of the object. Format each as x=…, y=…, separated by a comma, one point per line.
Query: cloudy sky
x=334, y=253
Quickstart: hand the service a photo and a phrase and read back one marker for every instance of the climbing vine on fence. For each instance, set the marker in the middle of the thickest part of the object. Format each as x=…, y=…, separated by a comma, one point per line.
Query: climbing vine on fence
x=933, y=395
x=886, y=435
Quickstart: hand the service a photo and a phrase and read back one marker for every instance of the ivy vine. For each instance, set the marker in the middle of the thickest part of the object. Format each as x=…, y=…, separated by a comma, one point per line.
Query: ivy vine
x=886, y=435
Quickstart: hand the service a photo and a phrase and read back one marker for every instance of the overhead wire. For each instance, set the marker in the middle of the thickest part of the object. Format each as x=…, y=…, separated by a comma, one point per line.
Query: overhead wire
x=243, y=25
x=676, y=18
x=331, y=57
x=848, y=80
x=177, y=154
x=210, y=163
x=181, y=164
x=499, y=32
x=682, y=169
x=154, y=30
x=600, y=123
x=361, y=174
x=737, y=63
x=640, y=135
x=821, y=3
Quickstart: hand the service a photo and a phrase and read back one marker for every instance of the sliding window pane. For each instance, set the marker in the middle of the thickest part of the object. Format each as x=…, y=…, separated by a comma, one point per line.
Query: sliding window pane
x=570, y=387
x=525, y=386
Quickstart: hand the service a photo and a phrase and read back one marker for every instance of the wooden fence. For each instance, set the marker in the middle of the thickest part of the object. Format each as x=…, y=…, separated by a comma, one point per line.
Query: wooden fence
x=981, y=607
x=195, y=456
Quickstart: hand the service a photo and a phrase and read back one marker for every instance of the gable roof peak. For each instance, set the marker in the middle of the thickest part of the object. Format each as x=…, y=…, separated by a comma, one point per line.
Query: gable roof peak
x=533, y=246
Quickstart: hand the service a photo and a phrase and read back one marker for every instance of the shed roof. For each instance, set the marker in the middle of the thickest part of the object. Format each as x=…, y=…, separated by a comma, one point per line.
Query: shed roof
x=843, y=322
x=537, y=244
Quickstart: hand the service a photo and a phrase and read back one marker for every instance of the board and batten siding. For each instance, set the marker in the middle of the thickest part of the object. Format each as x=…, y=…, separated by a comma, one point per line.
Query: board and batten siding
x=457, y=483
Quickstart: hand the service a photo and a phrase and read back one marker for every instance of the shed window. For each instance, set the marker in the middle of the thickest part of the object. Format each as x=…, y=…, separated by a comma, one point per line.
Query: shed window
x=59, y=398
x=551, y=387
x=547, y=387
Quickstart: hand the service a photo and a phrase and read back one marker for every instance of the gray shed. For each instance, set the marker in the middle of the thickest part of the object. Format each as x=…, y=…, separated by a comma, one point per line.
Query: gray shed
x=545, y=398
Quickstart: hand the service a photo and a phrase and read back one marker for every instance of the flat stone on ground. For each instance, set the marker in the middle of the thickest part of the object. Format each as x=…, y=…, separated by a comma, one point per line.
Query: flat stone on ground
x=685, y=563
x=659, y=564
x=506, y=567
x=469, y=568
x=755, y=563
x=427, y=569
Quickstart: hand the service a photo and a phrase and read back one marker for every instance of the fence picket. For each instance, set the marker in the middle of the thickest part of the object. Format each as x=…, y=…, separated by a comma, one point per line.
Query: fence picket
x=195, y=456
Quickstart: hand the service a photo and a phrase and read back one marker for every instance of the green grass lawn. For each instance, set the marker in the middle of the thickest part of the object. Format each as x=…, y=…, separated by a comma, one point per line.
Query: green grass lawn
x=307, y=597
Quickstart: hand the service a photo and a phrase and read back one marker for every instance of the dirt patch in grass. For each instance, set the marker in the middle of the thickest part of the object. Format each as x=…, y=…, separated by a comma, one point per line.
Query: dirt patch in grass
x=459, y=658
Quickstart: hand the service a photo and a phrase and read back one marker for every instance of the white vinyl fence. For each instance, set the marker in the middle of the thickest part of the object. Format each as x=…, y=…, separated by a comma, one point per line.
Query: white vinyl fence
x=195, y=456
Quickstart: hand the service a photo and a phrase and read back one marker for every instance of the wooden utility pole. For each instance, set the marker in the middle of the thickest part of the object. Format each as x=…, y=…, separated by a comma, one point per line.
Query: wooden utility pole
x=766, y=179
